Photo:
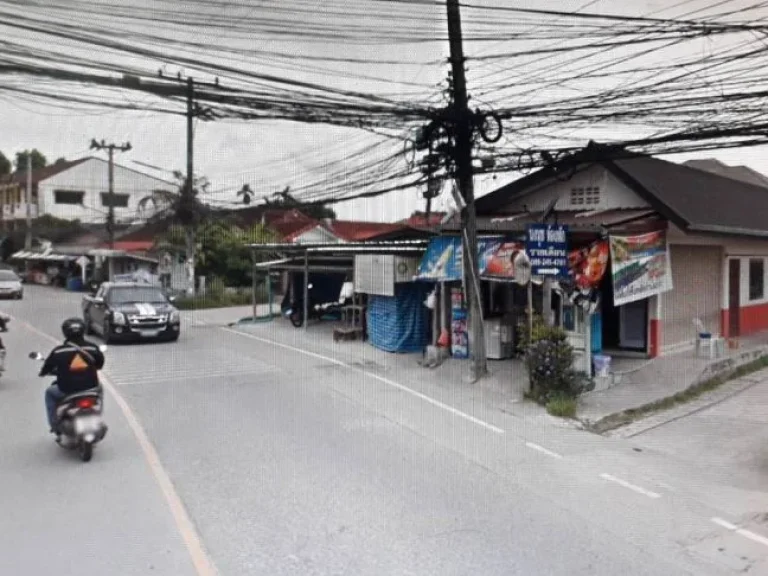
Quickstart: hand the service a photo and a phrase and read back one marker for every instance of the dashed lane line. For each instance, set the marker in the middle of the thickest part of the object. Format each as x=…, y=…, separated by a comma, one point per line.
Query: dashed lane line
x=741, y=531
x=543, y=450
x=630, y=486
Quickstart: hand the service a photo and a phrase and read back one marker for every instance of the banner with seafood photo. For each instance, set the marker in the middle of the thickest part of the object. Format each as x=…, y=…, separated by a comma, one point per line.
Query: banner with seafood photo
x=640, y=266
x=587, y=267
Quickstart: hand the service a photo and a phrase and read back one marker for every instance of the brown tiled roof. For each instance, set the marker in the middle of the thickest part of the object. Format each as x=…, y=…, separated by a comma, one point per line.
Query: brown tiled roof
x=692, y=199
x=47, y=172
x=696, y=200
x=743, y=173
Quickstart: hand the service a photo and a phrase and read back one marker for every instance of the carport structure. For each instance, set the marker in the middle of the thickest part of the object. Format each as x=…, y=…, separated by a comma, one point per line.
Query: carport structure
x=323, y=257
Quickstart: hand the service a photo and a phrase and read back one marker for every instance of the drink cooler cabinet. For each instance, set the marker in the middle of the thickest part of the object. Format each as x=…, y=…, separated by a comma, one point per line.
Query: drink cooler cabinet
x=499, y=339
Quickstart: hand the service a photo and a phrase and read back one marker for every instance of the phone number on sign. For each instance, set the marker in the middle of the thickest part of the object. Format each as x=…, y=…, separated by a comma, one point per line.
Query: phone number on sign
x=548, y=262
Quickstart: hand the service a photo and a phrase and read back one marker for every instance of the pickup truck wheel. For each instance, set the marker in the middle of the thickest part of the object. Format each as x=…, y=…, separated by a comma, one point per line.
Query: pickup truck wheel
x=106, y=332
x=88, y=327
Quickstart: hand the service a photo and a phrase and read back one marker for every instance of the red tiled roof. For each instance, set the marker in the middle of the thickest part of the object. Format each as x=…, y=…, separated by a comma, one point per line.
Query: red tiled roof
x=420, y=220
x=353, y=231
x=133, y=245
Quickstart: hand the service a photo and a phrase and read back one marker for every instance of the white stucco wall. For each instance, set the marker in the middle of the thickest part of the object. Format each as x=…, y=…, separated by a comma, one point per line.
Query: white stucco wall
x=92, y=178
x=613, y=194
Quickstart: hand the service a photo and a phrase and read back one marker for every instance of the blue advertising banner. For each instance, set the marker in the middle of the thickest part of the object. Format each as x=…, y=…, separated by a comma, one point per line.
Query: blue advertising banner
x=547, y=248
x=442, y=261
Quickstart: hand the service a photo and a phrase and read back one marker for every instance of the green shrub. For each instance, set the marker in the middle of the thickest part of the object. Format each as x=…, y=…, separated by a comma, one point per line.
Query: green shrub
x=562, y=406
x=549, y=360
x=215, y=287
x=540, y=332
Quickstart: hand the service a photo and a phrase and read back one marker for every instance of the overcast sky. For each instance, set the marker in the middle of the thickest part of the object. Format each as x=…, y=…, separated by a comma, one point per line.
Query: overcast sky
x=270, y=155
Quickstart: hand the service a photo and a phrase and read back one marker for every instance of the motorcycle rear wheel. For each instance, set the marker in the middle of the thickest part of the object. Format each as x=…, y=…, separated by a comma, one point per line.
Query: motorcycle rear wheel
x=86, y=451
x=297, y=319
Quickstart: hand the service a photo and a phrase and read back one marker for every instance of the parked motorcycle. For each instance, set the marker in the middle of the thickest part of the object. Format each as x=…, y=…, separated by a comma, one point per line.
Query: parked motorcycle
x=79, y=419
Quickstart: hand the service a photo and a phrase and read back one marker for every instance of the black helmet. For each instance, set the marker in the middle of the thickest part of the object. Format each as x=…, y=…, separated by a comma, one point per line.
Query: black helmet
x=73, y=329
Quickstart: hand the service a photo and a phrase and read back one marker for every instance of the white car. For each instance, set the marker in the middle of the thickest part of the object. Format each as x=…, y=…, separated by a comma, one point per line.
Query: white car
x=10, y=285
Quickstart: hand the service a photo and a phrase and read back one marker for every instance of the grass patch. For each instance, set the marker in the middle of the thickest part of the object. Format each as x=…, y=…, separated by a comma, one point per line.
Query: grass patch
x=220, y=300
x=682, y=397
x=562, y=406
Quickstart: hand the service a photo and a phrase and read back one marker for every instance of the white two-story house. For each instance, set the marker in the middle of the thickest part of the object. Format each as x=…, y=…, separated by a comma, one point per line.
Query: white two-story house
x=79, y=190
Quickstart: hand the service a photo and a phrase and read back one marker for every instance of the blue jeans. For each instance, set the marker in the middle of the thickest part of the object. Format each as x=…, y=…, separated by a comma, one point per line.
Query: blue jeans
x=52, y=397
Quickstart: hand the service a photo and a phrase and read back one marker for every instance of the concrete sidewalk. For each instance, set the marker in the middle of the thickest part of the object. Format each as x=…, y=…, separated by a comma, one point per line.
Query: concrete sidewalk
x=652, y=382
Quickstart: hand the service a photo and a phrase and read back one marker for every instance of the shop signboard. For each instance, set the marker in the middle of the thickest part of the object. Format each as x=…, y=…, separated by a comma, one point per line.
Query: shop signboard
x=443, y=260
x=547, y=248
x=509, y=262
x=640, y=266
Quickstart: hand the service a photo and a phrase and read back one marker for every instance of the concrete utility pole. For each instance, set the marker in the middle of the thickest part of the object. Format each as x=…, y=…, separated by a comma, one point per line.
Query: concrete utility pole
x=28, y=201
x=110, y=148
x=465, y=182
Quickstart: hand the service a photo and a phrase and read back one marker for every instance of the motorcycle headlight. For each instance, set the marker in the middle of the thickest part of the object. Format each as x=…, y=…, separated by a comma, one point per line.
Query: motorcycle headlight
x=174, y=317
x=118, y=318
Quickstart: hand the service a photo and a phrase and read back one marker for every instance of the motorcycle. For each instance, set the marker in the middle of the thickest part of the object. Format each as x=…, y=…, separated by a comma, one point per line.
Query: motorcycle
x=79, y=418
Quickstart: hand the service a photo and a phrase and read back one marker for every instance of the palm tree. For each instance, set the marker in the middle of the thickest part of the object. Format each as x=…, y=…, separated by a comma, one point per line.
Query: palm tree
x=182, y=207
x=246, y=193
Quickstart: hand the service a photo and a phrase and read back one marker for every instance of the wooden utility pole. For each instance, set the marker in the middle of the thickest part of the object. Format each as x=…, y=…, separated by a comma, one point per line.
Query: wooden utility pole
x=110, y=148
x=464, y=128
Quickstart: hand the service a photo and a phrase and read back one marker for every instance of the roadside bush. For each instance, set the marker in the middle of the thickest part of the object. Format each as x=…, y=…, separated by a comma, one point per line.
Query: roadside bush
x=549, y=361
x=540, y=332
x=218, y=300
x=562, y=406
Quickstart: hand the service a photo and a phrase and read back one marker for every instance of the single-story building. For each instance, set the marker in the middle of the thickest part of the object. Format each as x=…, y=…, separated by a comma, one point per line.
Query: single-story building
x=716, y=231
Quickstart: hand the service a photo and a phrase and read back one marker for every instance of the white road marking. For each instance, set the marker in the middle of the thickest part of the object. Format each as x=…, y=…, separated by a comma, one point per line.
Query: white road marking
x=741, y=531
x=543, y=450
x=392, y=383
x=752, y=536
x=203, y=564
x=725, y=524
x=629, y=486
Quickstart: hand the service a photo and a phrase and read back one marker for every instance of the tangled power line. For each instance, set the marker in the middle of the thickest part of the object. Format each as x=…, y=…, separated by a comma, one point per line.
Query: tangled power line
x=545, y=82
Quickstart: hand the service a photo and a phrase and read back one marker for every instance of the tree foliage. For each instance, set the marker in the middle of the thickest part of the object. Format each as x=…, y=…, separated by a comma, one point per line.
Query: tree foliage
x=38, y=160
x=222, y=250
x=184, y=208
x=286, y=200
x=5, y=165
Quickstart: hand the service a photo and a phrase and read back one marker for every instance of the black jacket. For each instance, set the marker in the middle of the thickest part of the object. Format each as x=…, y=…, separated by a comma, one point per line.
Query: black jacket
x=75, y=366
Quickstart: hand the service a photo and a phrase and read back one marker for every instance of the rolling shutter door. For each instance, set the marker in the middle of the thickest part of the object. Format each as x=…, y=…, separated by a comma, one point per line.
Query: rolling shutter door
x=697, y=293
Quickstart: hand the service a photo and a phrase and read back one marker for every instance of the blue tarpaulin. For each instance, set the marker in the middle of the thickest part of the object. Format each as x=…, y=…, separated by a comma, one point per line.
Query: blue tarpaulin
x=399, y=323
x=442, y=260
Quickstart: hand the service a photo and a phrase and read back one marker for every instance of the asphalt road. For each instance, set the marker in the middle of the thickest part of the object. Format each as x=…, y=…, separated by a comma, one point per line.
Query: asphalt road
x=293, y=463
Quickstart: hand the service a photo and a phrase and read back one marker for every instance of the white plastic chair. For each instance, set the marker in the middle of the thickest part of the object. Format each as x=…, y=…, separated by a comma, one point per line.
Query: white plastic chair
x=711, y=342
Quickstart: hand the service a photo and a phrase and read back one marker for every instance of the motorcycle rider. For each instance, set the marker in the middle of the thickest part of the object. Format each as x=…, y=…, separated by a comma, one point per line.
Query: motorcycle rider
x=75, y=364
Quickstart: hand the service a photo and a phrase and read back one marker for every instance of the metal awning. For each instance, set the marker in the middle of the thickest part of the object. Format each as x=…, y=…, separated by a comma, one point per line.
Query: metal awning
x=106, y=253
x=42, y=256
x=315, y=263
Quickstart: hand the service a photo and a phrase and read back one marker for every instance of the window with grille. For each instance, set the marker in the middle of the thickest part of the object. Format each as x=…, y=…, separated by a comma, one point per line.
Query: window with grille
x=118, y=200
x=585, y=196
x=756, y=278
x=68, y=197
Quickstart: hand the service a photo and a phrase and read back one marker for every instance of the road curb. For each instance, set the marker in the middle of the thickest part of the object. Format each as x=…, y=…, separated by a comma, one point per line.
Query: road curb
x=719, y=382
